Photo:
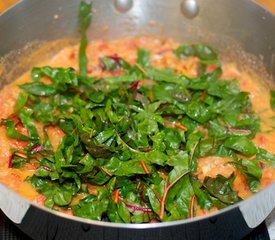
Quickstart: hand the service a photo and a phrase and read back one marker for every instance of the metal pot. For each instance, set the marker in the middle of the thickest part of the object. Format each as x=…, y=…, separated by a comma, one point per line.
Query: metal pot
x=223, y=24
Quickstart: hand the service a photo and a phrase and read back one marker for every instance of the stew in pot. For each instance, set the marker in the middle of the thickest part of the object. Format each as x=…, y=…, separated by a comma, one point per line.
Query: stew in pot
x=135, y=130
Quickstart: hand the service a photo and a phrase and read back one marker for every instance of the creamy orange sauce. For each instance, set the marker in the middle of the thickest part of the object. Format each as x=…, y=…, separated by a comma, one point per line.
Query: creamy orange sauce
x=213, y=165
x=161, y=57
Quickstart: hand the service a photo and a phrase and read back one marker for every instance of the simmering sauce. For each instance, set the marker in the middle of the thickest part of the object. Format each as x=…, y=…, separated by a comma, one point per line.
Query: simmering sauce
x=162, y=56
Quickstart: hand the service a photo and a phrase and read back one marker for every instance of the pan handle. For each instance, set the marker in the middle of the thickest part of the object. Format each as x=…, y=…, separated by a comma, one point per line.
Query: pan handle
x=256, y=209
x=12, y=204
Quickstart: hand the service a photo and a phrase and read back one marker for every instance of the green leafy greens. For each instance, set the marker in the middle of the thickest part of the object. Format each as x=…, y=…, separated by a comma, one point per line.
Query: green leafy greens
x=138, y=154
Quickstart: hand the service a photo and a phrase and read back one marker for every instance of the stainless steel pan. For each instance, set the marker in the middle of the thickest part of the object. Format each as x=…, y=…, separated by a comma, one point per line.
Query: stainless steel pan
x=227, y=25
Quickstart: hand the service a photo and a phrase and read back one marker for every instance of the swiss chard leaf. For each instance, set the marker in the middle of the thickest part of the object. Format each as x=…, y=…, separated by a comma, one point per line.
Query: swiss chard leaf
x=25, y=116
x=12, y=132
x=154, y=201
x=62, y=197
x=111, y=63
x=199, y=112
x=61, y=77
x=242, y=145
x=204, y=52
x=180, y=195
x=39, y=89
x=172, y=138
x=166, y=75
x=91, y=207
x=266, y=156
x=17, y=161
x=124, y=212
x=21, y=101
x=221, y=188
x=203, y=197
x=85, y=16
x=143, y=57
x=251, y=167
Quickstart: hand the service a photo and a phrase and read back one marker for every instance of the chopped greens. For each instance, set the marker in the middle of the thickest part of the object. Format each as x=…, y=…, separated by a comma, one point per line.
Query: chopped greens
x=130, y=150
x=204, y=52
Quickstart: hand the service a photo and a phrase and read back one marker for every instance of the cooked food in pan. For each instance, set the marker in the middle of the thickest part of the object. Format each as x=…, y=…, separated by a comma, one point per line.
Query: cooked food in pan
x=136, y=130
